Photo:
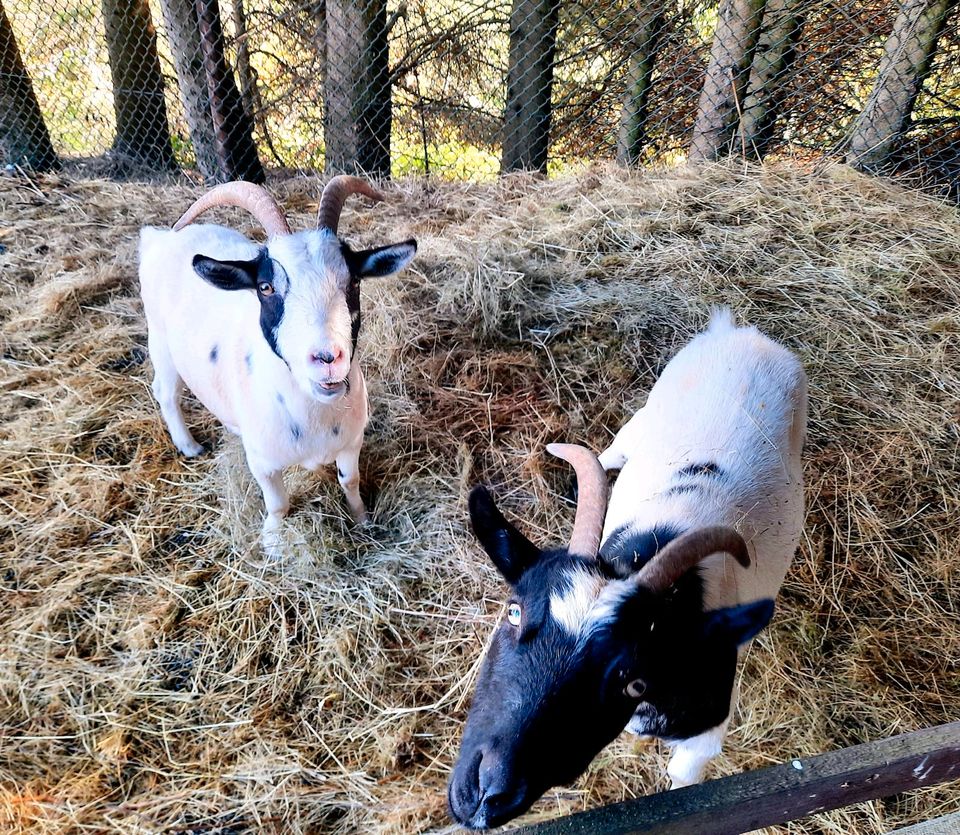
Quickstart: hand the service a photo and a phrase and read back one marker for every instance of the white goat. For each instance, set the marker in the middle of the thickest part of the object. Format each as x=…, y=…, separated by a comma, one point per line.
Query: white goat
x=275, y=363
x=644, y=630
x=718, y=443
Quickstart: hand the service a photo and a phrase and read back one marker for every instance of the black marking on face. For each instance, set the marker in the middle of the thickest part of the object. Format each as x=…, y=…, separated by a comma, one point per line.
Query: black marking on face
x=352, y=293
x=214, y=353
x=248, y=360
x=710, y=468
x=336, y=430
x=296, y=432
x=627, y=550
x=271, y=307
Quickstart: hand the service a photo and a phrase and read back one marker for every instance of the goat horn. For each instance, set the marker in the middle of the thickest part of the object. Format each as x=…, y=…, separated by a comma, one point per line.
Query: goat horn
x=591, y=499
x=255, y=199
x=686, y=551
x=335, y=194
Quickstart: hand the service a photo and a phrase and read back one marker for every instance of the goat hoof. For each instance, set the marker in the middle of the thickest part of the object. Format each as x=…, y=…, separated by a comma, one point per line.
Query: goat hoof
x=191, y=449
x=272, y=540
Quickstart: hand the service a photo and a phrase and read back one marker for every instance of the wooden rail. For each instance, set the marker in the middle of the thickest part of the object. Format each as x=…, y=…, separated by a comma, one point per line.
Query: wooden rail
x=778, y=794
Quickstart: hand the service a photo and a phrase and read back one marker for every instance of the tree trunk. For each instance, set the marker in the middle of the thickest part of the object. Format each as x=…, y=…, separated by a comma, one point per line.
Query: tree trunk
x=248, y=84
x=358, y=115
x=143, y=136
x=728, y=71
x=633, y=119
x=903, y=68
x=533, y=42
x=180, y=17
x=774, y=57
x=247, y=77
x=24, y=138
x=232, y=130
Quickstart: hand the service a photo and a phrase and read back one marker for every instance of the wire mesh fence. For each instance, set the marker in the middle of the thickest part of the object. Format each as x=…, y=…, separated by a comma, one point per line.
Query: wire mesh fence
x=471, y=88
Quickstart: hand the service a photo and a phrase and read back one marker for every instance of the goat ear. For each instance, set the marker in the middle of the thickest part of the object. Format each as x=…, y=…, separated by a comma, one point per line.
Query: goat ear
x=227, y=275
x=512, y=553
x=384, y=260
x=740, y=623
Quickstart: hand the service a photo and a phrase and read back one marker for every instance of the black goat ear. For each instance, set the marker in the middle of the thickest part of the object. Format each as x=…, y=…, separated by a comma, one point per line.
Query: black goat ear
x=740, y=623
x=512, y=553
x=384, y=260
x=228, y=275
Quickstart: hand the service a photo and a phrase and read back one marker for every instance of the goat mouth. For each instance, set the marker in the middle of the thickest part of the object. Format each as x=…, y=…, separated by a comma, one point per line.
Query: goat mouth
x=328, y=390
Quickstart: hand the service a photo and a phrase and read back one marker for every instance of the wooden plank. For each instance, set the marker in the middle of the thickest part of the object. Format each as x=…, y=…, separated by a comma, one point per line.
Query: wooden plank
x=947, y=825
x=782, y=793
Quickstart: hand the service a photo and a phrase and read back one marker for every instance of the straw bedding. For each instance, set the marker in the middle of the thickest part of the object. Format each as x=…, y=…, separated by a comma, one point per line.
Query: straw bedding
x=158, y=674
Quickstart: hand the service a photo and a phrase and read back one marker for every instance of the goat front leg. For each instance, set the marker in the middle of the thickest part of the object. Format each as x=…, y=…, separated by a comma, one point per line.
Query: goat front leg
x=275, y=500
x=348, y=474
x=690, y=757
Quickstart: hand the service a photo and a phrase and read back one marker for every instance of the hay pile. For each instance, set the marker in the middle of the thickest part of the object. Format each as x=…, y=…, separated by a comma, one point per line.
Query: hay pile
x=157, y=675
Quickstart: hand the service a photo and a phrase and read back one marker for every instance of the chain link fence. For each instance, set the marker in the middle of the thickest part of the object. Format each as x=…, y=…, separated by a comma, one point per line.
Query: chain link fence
x=471, y=88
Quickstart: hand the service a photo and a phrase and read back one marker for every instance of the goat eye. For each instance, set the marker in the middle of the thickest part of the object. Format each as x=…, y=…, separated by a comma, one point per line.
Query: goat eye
x=514, y=614
x=265, y=288
x=636, y=688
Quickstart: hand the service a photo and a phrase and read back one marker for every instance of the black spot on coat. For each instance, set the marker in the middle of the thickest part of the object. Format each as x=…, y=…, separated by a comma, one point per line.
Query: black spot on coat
x=214, y=354
x=627, y=550
x=710, y=468
x=688, y=487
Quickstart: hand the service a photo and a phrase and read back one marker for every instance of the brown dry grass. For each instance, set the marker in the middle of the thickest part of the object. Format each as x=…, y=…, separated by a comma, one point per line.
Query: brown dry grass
x=157, y=676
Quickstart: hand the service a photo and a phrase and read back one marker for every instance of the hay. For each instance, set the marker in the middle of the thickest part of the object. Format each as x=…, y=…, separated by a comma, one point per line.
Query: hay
x=158, y=676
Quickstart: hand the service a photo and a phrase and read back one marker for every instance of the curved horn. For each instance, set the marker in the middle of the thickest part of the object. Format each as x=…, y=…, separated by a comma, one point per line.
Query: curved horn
x=335, y=194
x=255, y=199
x=686, y=551
x=591, y=498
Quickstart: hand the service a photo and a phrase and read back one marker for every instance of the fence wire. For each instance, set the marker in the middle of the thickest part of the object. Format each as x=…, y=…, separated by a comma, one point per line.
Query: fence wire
x=471, y=88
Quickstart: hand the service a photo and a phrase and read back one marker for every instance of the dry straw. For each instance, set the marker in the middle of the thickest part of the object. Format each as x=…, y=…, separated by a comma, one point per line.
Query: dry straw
x=158, y=676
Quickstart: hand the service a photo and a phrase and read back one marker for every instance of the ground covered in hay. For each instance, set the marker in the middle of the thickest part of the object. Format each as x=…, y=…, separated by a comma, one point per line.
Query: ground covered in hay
x=156, y=674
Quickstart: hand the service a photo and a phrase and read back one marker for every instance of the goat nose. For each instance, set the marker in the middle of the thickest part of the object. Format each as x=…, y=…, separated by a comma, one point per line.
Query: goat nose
x=326, y=357
x=492, y=775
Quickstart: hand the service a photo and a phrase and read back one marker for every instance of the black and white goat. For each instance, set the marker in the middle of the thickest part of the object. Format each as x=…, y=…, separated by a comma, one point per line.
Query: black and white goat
x=276, y=363
x=644, y=634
